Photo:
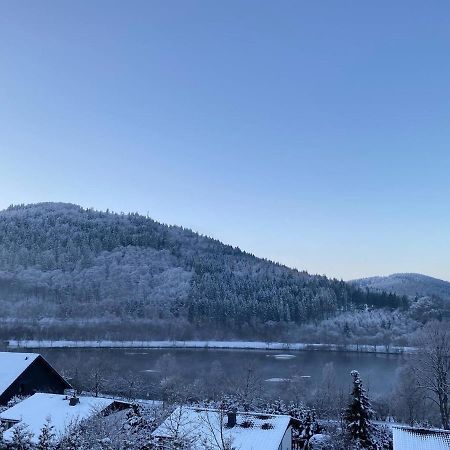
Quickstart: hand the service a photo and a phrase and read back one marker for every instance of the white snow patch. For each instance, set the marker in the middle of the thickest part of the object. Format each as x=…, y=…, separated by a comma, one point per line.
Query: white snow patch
x=277, y=380
x=284, y=356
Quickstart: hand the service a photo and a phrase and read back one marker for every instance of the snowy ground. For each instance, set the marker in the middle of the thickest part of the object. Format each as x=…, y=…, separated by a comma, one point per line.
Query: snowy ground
x=249, y=345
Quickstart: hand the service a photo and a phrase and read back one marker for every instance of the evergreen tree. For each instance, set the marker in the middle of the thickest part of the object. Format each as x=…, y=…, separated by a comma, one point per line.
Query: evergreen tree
x=105, y=444
x=358, y=415
x=47, y=437
x=21, y=438
x=73, y=439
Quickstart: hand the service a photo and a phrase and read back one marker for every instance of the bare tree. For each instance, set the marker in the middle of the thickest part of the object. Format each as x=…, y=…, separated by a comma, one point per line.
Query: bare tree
x=182, y=428
x=408, y=399
x=97, y=379
x=249, y=388
x=214, y=381
x=214, y=422
x=130, y=386
x=433, y=366
x=326, y=396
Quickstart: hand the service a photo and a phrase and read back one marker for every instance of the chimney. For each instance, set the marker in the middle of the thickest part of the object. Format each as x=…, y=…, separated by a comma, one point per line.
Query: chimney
x=231, y=415
x=74, y=401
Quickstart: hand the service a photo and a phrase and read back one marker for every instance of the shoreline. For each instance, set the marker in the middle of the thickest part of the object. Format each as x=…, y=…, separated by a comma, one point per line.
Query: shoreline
x=224, y=345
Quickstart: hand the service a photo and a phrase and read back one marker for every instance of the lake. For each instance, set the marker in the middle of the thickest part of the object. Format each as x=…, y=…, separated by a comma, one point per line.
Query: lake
x=378, y=371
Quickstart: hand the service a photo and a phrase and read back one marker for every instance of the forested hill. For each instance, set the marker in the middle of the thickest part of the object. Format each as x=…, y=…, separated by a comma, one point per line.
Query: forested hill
x=60, y=260
x=410, y=284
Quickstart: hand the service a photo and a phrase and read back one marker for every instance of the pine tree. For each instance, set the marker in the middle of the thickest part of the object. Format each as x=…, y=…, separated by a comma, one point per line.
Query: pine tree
x=359, y=414
x=21, y=438
x=73, y=439
x=105, y=444
x=47, y=437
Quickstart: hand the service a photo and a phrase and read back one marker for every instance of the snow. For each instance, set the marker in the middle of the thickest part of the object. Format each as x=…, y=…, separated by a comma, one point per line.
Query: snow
x=278, y=380
x=320, y=441
x=232, y=345
x=12, y=365
x=413, y=439
x=284, y=356
x=34, y=411
x=204, y=426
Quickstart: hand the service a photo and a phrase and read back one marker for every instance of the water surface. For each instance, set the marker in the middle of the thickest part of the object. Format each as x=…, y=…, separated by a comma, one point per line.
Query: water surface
x=378, y=371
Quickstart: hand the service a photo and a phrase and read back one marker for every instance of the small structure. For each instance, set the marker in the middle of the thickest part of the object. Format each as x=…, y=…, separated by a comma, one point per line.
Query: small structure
x=27, y=373
x=201, y=428
x=406, y=438
x=63, y=411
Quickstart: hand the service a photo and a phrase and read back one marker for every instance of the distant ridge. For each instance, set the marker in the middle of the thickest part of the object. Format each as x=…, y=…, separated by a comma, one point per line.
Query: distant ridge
x=410, y=284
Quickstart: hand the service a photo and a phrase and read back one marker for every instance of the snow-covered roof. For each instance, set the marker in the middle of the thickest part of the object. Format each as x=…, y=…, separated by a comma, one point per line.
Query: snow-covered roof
x=12, y=365
x=416, y=438
x=202, y=427
x=35, y=410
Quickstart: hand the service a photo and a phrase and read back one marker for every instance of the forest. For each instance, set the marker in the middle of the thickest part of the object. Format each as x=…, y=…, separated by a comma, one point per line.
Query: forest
x=63, y=264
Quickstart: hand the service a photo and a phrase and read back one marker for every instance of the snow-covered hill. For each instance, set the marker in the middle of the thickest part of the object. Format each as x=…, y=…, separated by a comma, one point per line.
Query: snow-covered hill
x=62, y=261
x=411, y=284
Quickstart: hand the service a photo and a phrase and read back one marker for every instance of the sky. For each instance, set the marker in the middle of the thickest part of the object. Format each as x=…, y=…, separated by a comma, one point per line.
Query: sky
x=316, y=134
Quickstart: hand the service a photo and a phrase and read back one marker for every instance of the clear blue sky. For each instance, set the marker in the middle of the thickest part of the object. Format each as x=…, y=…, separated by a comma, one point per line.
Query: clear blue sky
x=313, y=133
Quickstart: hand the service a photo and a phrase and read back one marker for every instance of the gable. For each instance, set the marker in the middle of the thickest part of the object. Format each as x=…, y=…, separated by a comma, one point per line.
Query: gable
x=28, y=373
x=12, y=365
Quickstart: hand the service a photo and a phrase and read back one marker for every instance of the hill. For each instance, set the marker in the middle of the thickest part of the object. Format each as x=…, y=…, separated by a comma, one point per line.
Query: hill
x=61, y=261
x=409, y=284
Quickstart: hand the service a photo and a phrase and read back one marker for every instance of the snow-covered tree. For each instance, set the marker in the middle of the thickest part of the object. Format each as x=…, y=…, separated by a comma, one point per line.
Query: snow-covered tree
x=73, y=439
x=21, y=438
x=47, y=437
x=104, y=444
x=16, y=399
x=359, y=414
x=309, y=427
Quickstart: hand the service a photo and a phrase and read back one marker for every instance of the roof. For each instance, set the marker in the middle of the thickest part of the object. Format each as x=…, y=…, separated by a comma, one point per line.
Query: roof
x=202, y=426
x=12, y=365
x=35, y=410
x=417, y=438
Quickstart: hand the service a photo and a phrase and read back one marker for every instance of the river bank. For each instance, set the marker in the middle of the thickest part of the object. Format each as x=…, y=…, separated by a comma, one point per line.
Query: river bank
x=238, y=345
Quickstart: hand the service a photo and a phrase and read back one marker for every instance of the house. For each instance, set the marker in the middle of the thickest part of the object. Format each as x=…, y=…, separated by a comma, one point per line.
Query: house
x=406, y=438
x=27, y=373
x=202, y=428
x=63, y=411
